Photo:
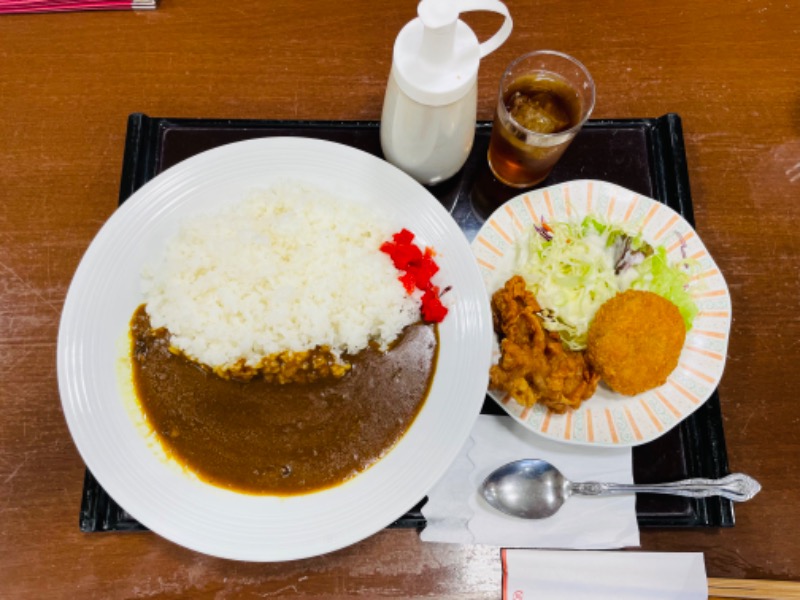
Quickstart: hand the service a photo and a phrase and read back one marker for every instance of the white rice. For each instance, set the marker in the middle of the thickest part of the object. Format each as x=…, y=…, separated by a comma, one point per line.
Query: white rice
x=288, y=269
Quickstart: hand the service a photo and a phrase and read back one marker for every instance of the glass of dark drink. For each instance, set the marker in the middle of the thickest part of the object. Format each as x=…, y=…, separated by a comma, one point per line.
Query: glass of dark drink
x=545, y=98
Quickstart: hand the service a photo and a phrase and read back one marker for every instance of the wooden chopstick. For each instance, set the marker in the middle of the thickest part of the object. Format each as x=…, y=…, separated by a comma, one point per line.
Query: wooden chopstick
x=754, y=589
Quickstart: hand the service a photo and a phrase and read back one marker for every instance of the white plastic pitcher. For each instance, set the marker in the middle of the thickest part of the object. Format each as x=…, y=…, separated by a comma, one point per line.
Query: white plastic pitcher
x=430, y=107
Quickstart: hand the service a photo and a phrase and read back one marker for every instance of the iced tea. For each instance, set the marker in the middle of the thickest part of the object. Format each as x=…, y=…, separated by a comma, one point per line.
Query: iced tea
x=539, y=111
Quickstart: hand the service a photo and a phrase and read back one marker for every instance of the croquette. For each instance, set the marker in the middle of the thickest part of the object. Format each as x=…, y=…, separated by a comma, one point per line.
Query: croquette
x=635, y=341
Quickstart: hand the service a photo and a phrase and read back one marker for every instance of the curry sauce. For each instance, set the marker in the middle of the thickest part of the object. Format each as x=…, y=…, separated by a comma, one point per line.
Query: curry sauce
x=284, y=439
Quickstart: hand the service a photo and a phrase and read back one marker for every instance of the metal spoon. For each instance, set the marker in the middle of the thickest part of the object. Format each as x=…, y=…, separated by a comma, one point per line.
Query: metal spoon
x=535, y=489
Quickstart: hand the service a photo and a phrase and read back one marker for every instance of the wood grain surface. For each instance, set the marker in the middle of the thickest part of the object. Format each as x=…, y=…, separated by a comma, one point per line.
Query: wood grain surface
x=67, y=85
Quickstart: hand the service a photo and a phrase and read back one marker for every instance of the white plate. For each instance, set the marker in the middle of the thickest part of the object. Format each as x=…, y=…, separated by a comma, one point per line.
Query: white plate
x=608, y=418
x=105, y=292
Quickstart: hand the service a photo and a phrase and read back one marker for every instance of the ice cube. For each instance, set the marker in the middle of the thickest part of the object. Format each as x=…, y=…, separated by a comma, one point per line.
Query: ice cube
x=539, y=111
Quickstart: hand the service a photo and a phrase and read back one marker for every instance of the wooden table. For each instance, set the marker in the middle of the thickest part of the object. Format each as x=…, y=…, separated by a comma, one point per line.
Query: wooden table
x=67, y=84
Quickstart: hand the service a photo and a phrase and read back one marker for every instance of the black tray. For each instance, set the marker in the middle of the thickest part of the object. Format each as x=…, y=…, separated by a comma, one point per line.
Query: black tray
x=644, y=155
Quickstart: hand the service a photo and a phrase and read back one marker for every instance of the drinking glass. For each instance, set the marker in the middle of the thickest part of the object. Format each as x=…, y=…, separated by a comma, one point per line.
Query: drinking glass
x=544, y=99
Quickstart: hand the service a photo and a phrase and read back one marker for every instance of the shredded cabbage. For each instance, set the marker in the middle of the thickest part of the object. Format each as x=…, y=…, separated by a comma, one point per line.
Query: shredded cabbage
x=573, y=268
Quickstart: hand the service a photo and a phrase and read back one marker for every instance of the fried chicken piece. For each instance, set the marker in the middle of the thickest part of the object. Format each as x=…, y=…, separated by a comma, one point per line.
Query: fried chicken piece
x=534, y=366
x=635, y=341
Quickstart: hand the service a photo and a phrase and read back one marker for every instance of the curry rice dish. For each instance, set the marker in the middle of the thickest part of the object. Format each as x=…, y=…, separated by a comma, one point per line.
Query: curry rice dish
x=277, y=350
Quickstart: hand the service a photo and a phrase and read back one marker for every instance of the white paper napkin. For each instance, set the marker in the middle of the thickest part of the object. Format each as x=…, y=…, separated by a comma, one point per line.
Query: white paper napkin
x=570, y=575
x=456, y=513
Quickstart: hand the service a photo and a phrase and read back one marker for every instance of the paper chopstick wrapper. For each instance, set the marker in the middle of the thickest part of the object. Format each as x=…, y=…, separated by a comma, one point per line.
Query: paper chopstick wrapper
x=571, y=575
